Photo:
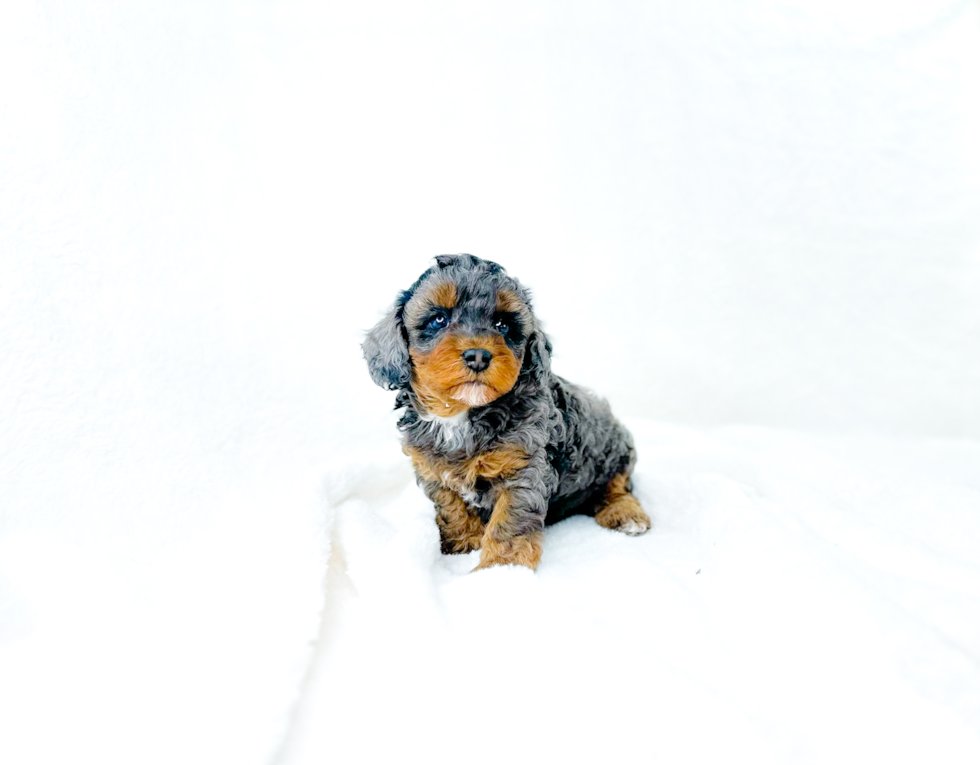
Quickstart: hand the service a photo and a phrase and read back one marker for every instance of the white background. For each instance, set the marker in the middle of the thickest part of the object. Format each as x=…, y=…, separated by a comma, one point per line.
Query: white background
x=759, y=213
x=768, y=213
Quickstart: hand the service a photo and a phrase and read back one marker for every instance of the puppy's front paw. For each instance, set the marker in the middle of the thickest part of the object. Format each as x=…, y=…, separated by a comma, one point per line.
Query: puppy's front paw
x=516, y=551
x=459, y=530
x=455, y=546
x=460, y=537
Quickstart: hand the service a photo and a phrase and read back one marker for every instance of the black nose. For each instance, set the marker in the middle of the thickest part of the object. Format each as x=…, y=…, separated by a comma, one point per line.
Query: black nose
x=477, y=359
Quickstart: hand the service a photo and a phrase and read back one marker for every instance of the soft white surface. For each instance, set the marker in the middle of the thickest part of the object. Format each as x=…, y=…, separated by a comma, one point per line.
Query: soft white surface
x=798, y=600
x=190, y=650
x=765, y=212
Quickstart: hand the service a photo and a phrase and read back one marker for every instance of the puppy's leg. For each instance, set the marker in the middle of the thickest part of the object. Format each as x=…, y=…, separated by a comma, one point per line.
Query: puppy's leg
x=620, y=511
x=459, y=529
x=513, y=535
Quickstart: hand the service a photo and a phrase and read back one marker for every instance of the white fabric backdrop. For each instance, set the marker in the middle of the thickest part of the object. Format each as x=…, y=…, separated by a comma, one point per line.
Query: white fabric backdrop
x=760, y=213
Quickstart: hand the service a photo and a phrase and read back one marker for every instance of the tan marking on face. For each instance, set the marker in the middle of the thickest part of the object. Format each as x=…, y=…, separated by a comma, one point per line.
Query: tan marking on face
x=446, y=386
x=508, y=301
x=434, y=292
x=444, y=295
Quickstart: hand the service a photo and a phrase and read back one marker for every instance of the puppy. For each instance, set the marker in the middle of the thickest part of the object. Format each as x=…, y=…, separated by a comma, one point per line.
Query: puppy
x=500, y=444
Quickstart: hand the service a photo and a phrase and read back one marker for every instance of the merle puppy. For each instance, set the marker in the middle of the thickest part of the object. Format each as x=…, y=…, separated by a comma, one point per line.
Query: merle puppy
x=500, y=444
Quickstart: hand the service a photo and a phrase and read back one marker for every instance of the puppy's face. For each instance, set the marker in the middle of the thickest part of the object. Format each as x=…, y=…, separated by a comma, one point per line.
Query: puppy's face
x=460, y=337
x=467, y=333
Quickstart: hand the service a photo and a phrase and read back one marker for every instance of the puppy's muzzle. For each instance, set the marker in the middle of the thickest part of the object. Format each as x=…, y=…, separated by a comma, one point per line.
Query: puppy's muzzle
x=477, y=359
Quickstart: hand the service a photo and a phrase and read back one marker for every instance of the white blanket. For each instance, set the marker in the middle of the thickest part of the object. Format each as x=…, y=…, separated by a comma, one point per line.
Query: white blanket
x=189, y=646
x=799, y=599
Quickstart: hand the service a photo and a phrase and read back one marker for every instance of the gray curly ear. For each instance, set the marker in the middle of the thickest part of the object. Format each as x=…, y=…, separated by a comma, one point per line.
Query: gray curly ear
x=537, y=359
x=386, y=351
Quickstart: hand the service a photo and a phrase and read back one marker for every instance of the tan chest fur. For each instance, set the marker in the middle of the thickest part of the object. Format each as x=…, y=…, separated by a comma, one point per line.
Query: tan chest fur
x=461, y=476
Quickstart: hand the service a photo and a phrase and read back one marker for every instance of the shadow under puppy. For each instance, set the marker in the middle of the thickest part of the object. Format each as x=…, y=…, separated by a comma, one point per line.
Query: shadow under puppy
x=500, y=444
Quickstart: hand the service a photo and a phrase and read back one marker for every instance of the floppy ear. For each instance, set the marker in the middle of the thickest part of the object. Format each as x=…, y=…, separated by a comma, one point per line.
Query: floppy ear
x=537, y=359
x=386, y=351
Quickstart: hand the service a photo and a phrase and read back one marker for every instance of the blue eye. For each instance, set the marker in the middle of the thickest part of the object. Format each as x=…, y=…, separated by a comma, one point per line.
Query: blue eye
x=502, y=327
x=437, y=322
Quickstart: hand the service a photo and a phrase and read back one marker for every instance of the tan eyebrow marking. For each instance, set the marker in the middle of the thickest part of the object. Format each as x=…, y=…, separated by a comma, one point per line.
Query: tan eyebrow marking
x=444, y=295
x=508, y=301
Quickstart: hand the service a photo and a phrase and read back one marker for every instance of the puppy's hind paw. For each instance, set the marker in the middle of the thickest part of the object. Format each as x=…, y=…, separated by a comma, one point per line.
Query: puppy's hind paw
x=633, y=527
x=624, y=515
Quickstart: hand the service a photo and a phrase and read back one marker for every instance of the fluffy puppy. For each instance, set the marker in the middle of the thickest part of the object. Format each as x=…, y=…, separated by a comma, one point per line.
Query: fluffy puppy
x=500, y=444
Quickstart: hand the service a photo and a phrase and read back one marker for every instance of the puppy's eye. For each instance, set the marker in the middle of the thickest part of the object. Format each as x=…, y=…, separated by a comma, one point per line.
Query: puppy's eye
x=437, y=322
x=501, y=326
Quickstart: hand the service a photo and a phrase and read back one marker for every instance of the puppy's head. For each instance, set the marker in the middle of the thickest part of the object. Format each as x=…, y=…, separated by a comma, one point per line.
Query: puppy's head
x=461, y=337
